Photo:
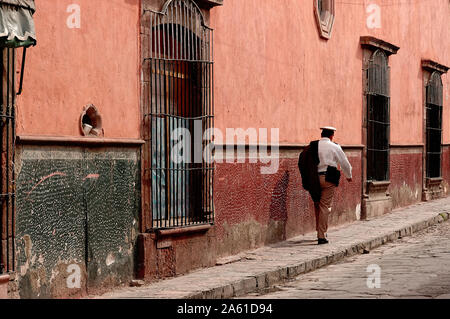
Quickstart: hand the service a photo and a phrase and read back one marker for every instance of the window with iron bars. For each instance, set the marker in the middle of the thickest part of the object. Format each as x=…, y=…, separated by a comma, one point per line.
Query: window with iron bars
x=179, y=116
x=378, y=118
x=7, y=147
x=434, y=102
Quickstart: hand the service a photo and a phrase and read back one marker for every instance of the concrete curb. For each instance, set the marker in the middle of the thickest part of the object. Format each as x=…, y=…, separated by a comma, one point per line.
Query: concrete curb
x=267, y=279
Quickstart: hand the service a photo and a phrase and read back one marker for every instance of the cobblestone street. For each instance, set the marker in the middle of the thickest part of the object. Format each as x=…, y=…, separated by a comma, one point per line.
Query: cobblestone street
x=258, y=270
x=411, y=267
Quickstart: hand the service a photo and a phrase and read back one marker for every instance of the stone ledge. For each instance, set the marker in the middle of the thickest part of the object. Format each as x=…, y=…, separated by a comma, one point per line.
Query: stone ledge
x=378, y=186
x=434, y=66
x=435, y=181
x=374, y=44
x=182, y=231
x=67, y=140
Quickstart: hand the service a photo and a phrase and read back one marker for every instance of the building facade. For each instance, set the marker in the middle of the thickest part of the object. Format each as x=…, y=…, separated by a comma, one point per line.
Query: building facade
x=154, y=137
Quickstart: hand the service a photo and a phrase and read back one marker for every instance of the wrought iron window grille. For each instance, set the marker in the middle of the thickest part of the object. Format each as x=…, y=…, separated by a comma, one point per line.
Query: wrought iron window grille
x=378, y=117
x=434, y=103
x=180, y=97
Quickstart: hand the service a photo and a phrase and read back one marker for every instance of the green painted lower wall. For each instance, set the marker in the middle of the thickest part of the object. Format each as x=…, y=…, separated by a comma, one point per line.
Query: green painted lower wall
x=76, y=218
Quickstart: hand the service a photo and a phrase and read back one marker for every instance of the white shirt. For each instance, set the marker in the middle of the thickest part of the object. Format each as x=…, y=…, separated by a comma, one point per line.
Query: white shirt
x=331, y=154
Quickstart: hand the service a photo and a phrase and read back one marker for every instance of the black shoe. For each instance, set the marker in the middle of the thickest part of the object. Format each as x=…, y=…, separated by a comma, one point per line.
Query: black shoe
x=322, y=241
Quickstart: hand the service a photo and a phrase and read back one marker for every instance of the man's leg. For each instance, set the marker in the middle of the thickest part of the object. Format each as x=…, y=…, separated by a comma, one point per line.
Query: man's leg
x=325, y=206
x=317, y=213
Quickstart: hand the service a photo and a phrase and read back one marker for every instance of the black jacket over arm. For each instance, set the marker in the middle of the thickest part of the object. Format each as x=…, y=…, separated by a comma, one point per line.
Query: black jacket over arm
x=307, y=164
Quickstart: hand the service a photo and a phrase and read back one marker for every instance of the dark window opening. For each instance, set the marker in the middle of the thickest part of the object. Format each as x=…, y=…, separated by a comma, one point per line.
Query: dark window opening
x=434, y=104
x=378, y=118
x=320, y=7
x=180, y=112
x=7, y=148
x=325, y=9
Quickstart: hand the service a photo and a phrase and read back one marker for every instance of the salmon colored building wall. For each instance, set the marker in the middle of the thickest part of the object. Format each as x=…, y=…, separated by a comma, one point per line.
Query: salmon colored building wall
x=272, y=70
x=71, y=68
x=269, y=59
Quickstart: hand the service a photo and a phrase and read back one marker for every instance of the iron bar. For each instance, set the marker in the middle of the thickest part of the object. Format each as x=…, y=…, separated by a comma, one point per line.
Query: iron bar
x=24, y=55
x=180, y=94
x=434, y=102
x=378, y=118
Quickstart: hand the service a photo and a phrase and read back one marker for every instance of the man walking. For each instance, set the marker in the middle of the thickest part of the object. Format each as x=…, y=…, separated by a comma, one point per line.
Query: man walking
x=330, y=156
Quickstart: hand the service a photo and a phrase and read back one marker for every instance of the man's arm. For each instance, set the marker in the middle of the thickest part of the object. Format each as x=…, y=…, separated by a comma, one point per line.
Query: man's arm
x=344, y=163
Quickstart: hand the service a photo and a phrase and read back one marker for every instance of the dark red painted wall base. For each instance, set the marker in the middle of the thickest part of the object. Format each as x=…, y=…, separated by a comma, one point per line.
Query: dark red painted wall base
x=445, y=166
x=162, y=257
x=253, y=210
x=406, y=177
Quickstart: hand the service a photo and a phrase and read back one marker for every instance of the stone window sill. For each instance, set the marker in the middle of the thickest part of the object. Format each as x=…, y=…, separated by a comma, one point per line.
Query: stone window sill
x=182, y=231
x=435, y=181
x=378, y=186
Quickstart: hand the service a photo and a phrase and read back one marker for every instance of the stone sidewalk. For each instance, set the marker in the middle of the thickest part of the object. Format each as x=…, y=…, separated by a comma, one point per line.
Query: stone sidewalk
x=262, y=268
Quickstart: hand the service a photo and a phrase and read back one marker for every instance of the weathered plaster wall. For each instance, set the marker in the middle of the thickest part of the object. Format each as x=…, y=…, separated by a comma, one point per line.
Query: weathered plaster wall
x=168, y=256
x=254, y=209
x=251, y=210
x=269, y=59
x=406, y=176
x=75, y=206
x=70, y=68
x=271, y=70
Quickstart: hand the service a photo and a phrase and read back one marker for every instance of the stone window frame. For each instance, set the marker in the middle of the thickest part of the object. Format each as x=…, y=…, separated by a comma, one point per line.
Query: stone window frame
x=156, y=7
x=378, y=98
x=373, y=191
x=324, y=11
x=370, y=46
x=431, y=187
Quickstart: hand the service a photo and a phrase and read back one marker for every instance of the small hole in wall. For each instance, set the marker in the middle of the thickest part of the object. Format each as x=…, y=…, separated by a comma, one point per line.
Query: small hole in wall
x=91, y=121
x=87, y=120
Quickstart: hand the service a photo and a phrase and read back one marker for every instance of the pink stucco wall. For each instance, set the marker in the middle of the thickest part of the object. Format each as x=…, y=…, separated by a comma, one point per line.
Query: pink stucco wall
x=273, y=70
x=70, y=68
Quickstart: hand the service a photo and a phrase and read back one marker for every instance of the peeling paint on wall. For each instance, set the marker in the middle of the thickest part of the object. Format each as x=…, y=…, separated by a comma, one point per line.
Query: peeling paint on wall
x=75, y=206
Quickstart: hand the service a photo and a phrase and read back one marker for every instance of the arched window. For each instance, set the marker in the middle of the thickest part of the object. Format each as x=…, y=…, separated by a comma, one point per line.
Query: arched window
x=378, y=118
x=434, y=102
x=324, y=10
x=180, y=112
